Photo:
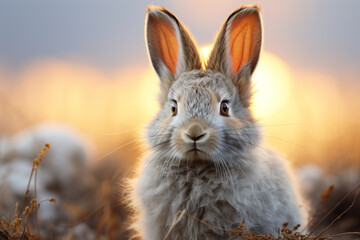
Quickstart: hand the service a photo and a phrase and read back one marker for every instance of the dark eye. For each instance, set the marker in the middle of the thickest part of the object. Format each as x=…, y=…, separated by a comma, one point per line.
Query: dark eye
x=174, y=108
x=224, y=108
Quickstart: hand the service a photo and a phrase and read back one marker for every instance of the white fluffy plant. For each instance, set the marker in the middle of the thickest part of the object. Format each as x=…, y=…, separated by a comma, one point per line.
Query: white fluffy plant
x=207, y=157
x=64, y=166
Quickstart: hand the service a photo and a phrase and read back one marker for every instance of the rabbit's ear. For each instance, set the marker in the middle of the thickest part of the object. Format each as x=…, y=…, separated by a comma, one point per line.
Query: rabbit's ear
x=237, y=47
x=171, y=48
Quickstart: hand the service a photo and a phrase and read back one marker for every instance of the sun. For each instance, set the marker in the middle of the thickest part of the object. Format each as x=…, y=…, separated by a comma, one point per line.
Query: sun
x=272, y=84
x=205, y=54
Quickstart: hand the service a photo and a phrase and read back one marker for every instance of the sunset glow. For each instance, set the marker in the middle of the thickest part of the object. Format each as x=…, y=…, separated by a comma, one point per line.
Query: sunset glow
x=205, y=54
x=272, y=82
x=112, y=108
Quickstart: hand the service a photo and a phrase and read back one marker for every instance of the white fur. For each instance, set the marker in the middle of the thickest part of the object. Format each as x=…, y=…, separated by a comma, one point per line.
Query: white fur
x=254, y=183
x=212, y=165
x=263, y=195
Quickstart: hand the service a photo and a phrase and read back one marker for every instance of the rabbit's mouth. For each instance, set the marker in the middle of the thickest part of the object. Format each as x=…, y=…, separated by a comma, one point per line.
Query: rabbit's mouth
x=196, y=153
x=194, y=150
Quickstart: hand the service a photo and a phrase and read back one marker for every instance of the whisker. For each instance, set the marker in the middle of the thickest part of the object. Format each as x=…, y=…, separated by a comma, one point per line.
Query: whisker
x=283, y=140
x=115, y=150
x=282, y=124
x=121, y=132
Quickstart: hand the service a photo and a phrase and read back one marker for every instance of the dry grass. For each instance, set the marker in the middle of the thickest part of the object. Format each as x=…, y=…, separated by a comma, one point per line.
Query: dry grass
x=18, y=225
x=107, y=223
x=285, y=232
x=90, y=210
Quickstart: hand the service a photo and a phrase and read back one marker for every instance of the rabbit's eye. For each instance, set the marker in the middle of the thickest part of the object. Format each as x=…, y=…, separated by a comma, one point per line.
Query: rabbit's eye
x=224, y=108
x=174, y=108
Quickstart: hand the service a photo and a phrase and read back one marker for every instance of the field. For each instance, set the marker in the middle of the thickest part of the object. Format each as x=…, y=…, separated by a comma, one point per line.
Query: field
x=77, y=92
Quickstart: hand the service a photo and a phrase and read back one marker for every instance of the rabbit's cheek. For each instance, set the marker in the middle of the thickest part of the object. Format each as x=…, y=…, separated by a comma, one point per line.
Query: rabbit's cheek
x=159, y=132
x=165, y=124
x=233, y=123
x=178, y=141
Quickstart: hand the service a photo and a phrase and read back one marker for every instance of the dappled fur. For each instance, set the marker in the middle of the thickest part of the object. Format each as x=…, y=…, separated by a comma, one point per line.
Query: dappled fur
x=225, y=175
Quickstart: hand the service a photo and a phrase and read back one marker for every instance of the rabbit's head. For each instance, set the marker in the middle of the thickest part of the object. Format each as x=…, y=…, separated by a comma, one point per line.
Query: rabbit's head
x=204, y=113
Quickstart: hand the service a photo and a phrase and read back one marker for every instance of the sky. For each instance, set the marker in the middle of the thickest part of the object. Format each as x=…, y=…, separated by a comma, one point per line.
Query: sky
x=84, y=63
x=320, y=34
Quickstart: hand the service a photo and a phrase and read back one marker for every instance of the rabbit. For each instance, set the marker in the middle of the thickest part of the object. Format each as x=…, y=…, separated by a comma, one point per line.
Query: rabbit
x=207, y=162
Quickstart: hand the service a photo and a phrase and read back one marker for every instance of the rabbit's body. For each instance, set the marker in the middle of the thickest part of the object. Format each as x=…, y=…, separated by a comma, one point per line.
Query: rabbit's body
x=263, y=196
x=206, y=152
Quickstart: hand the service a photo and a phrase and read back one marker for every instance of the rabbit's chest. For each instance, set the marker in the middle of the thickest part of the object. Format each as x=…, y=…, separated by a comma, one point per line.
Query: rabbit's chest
x=221, y=202
x=210, y=200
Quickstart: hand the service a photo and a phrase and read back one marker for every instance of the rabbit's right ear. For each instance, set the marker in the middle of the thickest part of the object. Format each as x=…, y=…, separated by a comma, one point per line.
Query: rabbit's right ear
x=237, y=48
x=171, y=48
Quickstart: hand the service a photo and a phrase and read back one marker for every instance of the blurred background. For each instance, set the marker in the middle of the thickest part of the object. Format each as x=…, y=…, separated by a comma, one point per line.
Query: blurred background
x=76, y=74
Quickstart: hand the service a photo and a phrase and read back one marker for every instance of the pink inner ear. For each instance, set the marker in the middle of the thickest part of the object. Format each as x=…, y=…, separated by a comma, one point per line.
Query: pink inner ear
x=241, y=40
x=166, y=40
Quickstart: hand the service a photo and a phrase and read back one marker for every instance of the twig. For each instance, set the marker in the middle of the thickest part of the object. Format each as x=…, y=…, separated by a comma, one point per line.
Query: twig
x=338, y=217
x=27, y=193
x=176, y=221
x=36, y=206
x=323, y=218
x=346, y=233
x=51, y=229
x=14, y=211
x=33, y=203
x=320, y=207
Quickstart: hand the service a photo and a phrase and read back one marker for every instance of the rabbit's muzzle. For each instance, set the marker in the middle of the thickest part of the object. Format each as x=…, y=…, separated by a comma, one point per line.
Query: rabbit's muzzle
x=195, y=132
x=196, y=139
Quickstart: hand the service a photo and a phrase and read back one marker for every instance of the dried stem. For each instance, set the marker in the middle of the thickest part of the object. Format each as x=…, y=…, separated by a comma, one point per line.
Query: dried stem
x=323, y=218
x=345, y=233
x=338, y=217
x=26, y=193
x=36, y=206
x=175, y=222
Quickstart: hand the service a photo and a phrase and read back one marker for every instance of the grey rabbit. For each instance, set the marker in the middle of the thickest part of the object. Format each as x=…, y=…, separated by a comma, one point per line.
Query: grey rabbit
x=207, y=157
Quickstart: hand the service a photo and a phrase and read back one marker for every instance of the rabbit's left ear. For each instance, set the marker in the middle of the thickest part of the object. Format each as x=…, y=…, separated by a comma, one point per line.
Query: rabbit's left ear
x=171, y=48
x=237, y=47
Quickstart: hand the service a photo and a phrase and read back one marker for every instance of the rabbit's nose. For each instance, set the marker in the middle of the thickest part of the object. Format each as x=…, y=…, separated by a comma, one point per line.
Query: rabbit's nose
x=195, y=132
